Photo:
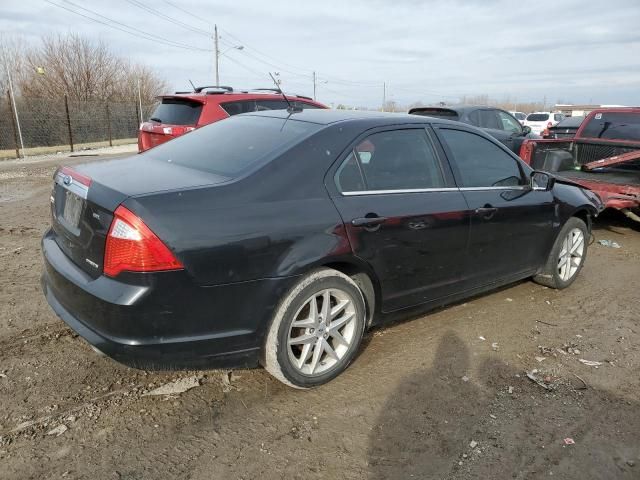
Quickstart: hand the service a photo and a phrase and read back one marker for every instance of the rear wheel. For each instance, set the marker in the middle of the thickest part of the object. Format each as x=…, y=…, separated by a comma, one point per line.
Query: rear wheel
x=567, y=256
x=316, y=330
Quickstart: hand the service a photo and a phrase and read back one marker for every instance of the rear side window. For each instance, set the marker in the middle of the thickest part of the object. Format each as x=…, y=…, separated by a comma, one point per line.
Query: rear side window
x=614, y=126
x=393, y=160
x=228, y=148
x=538, y=117
x=557, y=117
x=246, y=106
x=177, y=112
x=480, y=162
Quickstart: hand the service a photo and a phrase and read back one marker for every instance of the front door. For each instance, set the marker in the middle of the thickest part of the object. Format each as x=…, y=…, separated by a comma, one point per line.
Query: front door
x=511, y=223
x=404, y=215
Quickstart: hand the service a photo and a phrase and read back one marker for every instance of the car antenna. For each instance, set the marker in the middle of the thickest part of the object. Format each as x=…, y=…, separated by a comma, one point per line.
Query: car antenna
x=194, y=87
x=290, y=108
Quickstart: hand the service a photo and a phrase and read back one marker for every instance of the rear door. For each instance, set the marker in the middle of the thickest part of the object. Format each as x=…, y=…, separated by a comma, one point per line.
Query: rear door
x=511, y=223
x=403, y=214
x=489, y=120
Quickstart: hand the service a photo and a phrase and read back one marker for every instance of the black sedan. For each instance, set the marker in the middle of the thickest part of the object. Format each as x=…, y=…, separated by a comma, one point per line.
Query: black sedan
x=566, y=128
x=279, y=238
x=496, y=122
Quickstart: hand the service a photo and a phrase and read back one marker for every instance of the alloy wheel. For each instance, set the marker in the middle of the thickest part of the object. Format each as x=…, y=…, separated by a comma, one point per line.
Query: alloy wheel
x=571, y=254
x=322, y=332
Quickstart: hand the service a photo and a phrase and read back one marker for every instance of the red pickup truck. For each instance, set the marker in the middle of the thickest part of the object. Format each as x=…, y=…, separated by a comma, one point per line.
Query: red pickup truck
x=604, y=156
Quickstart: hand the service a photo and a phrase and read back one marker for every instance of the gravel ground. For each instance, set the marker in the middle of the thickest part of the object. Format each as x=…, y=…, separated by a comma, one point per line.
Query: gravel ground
x=441, y=396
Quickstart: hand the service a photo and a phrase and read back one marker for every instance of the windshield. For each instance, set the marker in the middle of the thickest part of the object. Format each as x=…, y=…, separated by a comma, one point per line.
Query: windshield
x=231, y=146
x=614, y=125
x=538, y=117
x=173, y=111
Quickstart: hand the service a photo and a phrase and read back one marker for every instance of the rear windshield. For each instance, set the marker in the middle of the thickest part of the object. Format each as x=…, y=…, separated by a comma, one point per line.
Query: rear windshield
x=234, y=145
x=177, y=112
x=436, y=112
x=614, y=126
x=538, y=117
x=246, y=106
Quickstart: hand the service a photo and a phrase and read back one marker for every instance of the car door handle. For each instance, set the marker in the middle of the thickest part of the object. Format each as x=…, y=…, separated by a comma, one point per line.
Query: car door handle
x=368, y=221
x=486, y=212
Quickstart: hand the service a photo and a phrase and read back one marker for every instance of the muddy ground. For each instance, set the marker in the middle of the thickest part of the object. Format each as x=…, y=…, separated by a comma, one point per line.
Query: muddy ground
x=443, y=396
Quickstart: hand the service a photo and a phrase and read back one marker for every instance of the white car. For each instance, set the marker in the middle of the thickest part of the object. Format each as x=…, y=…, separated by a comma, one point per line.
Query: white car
x=520, y=116
x=539, y=121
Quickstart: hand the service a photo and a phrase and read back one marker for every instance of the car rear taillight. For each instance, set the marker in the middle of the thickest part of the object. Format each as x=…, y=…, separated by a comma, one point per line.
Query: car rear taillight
x=526, y=151
x=132, y=246
x=549, y=124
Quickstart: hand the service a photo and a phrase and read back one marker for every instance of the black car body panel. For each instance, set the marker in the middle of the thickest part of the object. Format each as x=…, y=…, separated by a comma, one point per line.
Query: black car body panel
x=244, y=241
x=486, y=118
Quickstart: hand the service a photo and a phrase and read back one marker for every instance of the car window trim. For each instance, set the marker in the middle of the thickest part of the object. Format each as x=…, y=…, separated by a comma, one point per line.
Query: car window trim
x=427, y=190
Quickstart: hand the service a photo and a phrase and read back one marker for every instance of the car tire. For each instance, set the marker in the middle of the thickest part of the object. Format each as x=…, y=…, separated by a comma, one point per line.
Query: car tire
x=305, y=349
x=567, y=256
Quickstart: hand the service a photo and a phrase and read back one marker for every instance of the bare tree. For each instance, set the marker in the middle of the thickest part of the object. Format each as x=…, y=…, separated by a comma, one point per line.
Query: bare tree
x=84, y=70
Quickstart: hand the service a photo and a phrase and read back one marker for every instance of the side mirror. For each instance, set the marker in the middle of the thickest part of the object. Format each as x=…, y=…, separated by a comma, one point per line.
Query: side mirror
x=526, y=129
x=542, y=181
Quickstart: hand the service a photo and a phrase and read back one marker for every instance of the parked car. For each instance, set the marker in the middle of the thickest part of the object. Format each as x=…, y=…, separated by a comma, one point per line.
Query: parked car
x=183, y=112
x=604, y=156
x=268, y=238
x=499, y=124
x=565, y=128
x=520, y=116
x=539, y=121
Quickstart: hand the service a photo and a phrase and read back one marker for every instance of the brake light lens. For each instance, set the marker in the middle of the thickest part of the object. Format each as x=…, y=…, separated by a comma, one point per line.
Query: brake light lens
x=132, y=246
x=526, y=151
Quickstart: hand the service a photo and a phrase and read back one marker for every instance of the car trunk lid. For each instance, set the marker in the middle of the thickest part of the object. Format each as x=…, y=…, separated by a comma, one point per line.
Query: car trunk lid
x=84, y=198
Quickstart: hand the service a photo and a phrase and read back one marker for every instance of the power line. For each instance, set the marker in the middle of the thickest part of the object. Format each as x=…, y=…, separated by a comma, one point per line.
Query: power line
x=187, y=12
x=155, y=12
x=127, y=29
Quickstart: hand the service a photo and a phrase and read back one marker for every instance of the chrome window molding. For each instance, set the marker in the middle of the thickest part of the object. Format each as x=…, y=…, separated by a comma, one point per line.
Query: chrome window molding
x=428, y=190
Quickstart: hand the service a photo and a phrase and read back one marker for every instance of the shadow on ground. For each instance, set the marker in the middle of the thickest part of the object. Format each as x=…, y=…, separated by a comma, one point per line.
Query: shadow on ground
x=427, y=427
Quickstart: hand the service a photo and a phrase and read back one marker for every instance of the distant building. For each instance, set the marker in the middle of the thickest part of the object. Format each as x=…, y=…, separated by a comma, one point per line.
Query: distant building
x=579, y=110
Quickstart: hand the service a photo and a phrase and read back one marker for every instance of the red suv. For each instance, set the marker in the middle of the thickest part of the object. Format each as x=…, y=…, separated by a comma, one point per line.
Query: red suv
x=185, y=111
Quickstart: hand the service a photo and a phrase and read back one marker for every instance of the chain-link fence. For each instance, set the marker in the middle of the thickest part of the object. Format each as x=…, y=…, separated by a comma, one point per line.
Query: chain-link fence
x=59, y=124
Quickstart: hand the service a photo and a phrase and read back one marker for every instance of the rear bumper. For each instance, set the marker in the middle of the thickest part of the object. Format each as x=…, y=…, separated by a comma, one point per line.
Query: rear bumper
x=162, y=321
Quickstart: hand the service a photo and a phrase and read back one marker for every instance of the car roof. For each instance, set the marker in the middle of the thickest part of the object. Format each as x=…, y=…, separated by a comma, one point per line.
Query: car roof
x=327, y=117
x=222, y=97
x=457, y=108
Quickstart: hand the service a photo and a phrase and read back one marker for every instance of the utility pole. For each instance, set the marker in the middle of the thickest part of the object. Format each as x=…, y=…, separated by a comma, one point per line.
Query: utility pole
x=384, y=94
x=217, y=53
x=13, y=100
x=314, y=85
x=140, y=103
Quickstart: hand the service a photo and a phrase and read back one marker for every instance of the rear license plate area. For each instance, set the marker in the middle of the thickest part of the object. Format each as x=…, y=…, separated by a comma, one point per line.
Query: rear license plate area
x=72, y=211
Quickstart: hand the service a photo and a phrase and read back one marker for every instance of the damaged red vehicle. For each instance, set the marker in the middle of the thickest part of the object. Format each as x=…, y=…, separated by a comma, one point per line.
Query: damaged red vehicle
x=604, y=156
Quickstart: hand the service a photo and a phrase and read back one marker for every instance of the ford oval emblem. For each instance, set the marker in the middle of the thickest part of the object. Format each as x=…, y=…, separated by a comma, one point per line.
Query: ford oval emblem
x=66, y=179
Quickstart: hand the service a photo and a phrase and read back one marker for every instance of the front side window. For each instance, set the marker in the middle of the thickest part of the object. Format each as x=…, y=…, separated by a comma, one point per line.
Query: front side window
x=508, y=123
x=480, y=162
x=393, y=160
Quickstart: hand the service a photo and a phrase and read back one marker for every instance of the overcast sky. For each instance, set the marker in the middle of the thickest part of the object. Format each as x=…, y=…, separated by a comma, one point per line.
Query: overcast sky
x=570, y=50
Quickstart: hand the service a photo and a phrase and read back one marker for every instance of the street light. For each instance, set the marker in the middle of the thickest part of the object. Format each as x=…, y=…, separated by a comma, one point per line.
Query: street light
x=218, y=54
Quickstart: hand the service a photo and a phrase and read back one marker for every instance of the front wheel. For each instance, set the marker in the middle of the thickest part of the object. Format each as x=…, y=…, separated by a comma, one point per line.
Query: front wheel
x=316, y=330
x=567, y=256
